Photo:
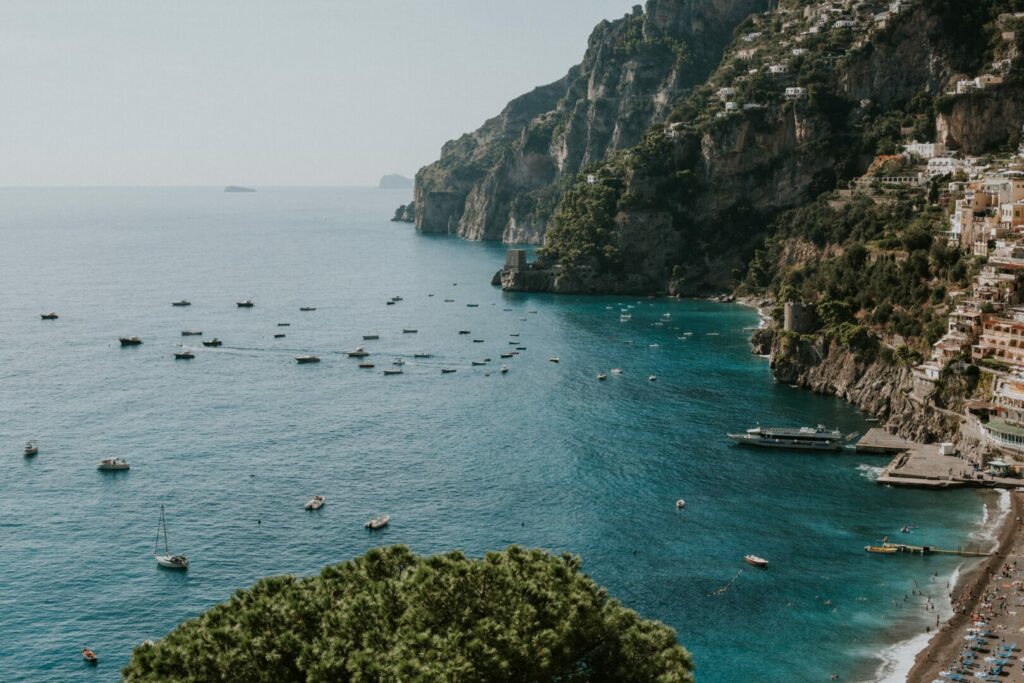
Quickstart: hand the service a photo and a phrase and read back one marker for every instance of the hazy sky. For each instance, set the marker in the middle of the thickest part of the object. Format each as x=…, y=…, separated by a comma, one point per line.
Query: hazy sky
x=265, y=92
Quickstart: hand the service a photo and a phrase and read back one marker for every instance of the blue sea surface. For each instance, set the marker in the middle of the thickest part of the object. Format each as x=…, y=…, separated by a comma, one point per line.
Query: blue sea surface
x=236, y=440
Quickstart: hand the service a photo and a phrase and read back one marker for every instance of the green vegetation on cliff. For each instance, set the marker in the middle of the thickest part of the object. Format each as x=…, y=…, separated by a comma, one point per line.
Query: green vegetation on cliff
x=515, y=615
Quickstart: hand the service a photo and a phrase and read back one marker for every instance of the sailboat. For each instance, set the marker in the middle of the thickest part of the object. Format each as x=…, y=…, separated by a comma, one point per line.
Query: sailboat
x=166, y=559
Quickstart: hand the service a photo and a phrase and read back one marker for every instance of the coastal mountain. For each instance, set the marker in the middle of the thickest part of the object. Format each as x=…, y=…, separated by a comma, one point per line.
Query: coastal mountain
x=238, y=188
x=395, y=182
x=504, y=180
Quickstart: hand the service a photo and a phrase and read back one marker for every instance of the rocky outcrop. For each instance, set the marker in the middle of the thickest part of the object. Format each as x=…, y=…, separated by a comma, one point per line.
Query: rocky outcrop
x=406, y=213
x=879, y=387
x=503, y=181
x=982, y=121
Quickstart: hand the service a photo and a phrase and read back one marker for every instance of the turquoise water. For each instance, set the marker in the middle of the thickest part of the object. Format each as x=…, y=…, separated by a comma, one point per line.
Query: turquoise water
x=543, y=456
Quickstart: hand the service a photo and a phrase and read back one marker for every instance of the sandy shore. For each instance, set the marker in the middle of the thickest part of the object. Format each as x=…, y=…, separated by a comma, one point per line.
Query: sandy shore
x=983, y=578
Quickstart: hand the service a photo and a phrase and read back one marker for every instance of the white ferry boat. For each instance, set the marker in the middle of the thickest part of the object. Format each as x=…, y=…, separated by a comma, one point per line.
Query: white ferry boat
x=819, y=438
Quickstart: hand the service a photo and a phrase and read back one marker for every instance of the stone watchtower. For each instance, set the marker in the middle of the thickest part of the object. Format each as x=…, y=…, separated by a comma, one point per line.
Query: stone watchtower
x=515, y=260
x=798, y=317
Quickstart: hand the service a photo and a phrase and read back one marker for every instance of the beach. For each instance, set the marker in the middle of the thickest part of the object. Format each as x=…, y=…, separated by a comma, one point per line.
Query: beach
x=981, y=582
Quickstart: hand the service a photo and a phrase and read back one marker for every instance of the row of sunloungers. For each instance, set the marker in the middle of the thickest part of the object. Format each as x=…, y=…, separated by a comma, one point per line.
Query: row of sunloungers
x=988, y=669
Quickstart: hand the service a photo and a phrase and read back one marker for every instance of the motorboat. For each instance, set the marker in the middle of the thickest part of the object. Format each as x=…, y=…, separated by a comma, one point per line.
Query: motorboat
x=507, y=355
x=49, y=316
x=279, y=335
x=396, y=371
x=359, y=352
x=378, y=522
x=301, y=360
x=184, y=355
x=504, y=369
x=31, y=448
x=449, y=301
x=513, y=334
x=447, y=371
x=421, y=355
x=89, y=656
x=307, y=308
x=245, y=304
x=130, y=341
x=370, y=337
x=680, y=504
x=472, y=305
x=756, y=561
x=284, y=324
x=398, y=361
x=390, y=303
x=520, y=348
x=533, y=312
x=112, y=465
x=166, y=559
x=616, y=371
x=601, y=376
x=183, y=302
x=315, y=503
x=191, y=333
x=652, y=378
x=366, y=366
x=884, y=549
x=409, y=330
x=213, y=342
x=478, y=362
x=478, y=341
x=463, y=331
x=555, y=359
x=396, y=298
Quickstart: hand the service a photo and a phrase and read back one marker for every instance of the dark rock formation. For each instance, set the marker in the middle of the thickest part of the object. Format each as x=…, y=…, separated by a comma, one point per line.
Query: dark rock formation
x=406, y=213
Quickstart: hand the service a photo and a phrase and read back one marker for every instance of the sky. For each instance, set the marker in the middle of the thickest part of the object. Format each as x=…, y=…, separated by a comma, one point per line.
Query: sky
x=265, y=92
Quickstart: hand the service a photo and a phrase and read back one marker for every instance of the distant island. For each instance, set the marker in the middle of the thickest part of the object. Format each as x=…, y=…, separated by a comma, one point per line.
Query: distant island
x=395, y=182
x=236, y=188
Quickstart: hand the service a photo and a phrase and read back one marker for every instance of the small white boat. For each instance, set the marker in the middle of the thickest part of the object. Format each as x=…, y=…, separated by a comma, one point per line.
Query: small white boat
x=315, y=503
x=191, y=333
x=756, y=561
x=245, y=304
x=680, y=504
x=112, y=465
x=504, y=369
x=307, y=359
x=184, y=355
x=360, y=352
x=653, y=346
x=378, y=522
x=616, y=371
x=31, y=448
x=167, y=559
x=398, y=361
x=49, y=316
x=214, y=343
x=555, y=359
x=601, y=376
x=652, y=378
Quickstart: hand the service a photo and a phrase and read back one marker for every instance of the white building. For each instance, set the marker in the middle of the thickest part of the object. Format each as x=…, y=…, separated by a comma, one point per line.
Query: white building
x=778, y=69
x=796, y=93
x=726, y=93
x=925, y=150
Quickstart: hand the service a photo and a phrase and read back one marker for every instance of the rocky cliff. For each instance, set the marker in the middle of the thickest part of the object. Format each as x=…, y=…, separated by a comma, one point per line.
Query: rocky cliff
x=503, y=181
x=752, y=142
x=871, y=381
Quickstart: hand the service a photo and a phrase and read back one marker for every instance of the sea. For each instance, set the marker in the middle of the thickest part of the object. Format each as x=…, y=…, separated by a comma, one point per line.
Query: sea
x=233, y=442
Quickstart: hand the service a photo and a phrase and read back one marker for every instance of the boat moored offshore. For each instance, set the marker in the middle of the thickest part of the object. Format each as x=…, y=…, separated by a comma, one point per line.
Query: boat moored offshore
x=819, y=438
x=113, y=465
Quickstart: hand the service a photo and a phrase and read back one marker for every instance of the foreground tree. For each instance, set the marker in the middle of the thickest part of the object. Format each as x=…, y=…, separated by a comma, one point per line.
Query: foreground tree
x=515, y=615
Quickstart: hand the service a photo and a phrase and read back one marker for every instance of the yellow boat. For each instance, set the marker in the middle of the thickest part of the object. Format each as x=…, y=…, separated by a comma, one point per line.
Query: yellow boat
x=886, y=549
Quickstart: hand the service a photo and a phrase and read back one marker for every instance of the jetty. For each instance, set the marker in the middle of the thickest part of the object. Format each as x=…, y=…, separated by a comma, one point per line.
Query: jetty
x=930, y=550
x=929, y=466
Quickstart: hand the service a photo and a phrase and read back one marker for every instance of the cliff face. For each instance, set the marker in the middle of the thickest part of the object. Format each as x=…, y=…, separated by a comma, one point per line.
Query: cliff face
x=978, y=122
x=704, y=213
x=876, y=386
x=503, y=181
